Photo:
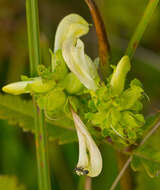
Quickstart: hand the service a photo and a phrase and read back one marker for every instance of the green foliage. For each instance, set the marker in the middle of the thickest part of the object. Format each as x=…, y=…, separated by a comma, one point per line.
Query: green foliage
x=54, y=100
x=10, y=183
x=144, y=182
x=118, y=116
x=20, y=112
x=150, y=162
x=147, y=156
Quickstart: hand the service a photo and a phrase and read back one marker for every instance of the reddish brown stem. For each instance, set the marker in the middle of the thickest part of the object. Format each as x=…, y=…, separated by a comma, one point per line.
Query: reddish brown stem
x=125, y=184
x=88, y=183
x=103, y=43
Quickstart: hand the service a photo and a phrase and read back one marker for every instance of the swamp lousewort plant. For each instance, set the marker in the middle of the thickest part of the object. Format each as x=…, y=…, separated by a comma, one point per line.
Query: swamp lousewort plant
x=74, y=82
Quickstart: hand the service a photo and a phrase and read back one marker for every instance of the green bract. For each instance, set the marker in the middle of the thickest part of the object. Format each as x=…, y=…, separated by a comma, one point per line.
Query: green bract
x=59, y=67
x=41, y=85
x=55, y=99
x=72, y=84
x=118, y=116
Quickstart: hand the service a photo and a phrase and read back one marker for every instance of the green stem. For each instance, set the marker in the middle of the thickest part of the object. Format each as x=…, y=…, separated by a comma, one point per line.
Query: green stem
x=152, y=4
x=40, y=130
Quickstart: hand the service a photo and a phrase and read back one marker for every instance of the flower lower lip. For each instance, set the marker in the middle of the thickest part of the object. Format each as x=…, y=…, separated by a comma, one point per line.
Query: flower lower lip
x=90, y=160
x=81, y=171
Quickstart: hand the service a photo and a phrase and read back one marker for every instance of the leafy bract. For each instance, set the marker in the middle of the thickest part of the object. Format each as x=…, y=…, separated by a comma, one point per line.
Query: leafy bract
x=59, y=67
x=118, y=116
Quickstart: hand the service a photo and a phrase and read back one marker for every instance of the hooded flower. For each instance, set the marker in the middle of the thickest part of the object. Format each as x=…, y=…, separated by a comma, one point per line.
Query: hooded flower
x=90, y=160
x=68, y=32
x=36, y=85
x=71, y=25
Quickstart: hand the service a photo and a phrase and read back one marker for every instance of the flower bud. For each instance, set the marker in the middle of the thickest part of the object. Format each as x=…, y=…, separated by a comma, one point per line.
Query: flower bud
x=55, y=99
x=119, y=75
x=36, y=85
x=17, y=88
x=39, y=85
x=72, y=84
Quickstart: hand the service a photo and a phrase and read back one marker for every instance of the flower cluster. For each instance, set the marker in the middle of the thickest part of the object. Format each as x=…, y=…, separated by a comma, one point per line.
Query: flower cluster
x=72, y=87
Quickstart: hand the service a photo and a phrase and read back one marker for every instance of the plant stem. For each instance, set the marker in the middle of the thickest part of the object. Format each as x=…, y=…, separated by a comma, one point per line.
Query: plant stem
x=121, y=173
x=33, y=35
x=85, y=183
x=125, y=184
x=152, y=4
x=40, y=130
x=88, y=183
x=104, y=48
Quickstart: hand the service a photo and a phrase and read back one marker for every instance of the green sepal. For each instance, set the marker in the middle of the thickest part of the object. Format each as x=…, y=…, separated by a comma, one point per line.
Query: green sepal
x=129, y=97
x=55, y=99
x=40, y=85
x=59, y=68
x=74, y=102
x=72, y=84
x=25, y=78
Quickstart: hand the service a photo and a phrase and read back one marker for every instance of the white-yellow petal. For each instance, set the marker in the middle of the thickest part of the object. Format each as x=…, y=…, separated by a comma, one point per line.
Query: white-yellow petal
x=79, y=63
x=83, y=160
x=17, y=88
x=71, y=25
x=94, y=166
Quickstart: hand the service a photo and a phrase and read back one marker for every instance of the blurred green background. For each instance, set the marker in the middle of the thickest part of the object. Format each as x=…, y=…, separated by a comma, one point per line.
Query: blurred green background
x=17, y=156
